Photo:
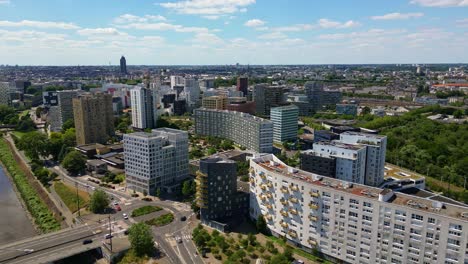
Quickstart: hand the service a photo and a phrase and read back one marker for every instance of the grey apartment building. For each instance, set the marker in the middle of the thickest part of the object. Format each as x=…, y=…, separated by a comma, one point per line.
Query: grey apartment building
x=252, y=132
x=61, y=110
x=267, y=96
x=156, y=160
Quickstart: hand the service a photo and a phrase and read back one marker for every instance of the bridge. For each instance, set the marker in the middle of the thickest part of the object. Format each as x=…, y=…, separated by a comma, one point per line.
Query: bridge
x=51, y=247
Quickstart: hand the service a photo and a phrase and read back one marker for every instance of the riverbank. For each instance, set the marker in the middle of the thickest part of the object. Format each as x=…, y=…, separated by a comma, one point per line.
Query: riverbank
x=16, y=223
x=43, y=217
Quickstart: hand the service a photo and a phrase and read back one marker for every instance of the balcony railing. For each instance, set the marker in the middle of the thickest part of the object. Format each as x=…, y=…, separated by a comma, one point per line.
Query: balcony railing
x=263, y=187
x=283, y=201
x=252, y=180
x=314, y=194
x=312, y=242
x=313, y=206
x=269, y=184
x=269, y=195
x=263, y=197
x=284, y=224
x=268, y=217
x=313, y=218
x=293, y=200
x=284, y=213
x=284, y=189
x=292, y=234
x=293, y=187
x=293, y=211
x=269, y=206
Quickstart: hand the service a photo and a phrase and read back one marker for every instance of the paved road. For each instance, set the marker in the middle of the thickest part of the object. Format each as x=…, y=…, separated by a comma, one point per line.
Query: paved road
x=42, y=247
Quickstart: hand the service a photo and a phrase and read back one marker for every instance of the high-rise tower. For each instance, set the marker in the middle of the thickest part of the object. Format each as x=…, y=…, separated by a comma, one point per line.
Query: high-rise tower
x=123, y=65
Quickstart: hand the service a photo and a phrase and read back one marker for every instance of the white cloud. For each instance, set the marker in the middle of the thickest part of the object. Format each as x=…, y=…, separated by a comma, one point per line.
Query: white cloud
x=211, y=17
x=441, y=3
x=327, y=23
x=38, y=24
x=4, y=2
x=100, y=32
x=254, y=23
x=207, y=38
x=273, y=35
x=397, y=16
x=208, y=7
x=294, y=28
x=163, y=27
x=129, y=18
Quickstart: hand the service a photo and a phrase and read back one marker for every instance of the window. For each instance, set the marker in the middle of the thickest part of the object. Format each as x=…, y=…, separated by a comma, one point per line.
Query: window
x=431, y=220
x=417, y=217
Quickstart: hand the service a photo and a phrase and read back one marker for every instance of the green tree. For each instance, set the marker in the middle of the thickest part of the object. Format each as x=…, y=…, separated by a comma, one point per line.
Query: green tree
x=74, y=162
x=187, y=188
x=261, y=225
x=458, y=114
x=34, y=144
x=55, y=145
x=98, y=202
x=141, y=239
x=68, y=124
x=25, y=124
x=5, y=111
x=69, y=137
x=366, y=110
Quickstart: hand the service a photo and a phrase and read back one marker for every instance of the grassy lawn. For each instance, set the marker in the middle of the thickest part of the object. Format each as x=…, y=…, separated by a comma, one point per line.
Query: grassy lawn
x=297, y=251
x=68, y=196
x=18, y=134
x=161, y=220
x=145, y=210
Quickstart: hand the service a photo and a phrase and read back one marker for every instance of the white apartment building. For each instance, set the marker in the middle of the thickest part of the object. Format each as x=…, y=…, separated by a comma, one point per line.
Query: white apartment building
x=142, y=108
x=375, y=155
x=350, y=159
x=284, y=120
x=5, y=91
x=192, y=92
x=176, y=81
x=252, y=132
x=354, y=223
x=156, y=160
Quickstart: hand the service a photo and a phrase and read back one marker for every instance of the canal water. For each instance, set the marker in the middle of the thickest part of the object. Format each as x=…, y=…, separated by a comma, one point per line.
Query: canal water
x=14, y=223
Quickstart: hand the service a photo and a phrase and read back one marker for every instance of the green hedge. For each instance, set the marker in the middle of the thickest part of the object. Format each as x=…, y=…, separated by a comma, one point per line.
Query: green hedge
x=161, y=220
x=145, y=210
x=43, y=217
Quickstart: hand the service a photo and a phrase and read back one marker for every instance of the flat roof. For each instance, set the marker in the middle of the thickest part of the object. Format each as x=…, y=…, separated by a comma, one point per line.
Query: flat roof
x=436, y=206
x=88, y=147
x=398, y=173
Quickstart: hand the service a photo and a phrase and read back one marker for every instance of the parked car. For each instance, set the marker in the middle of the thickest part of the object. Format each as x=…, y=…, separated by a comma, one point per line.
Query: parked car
x=117, y=207
x=107, y=236
x=183, y=218
x=125, y=216
x=87, y=241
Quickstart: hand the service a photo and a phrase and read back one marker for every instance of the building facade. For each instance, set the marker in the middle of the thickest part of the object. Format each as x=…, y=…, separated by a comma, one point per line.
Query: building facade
x=157, y=160
x=346, y=109
x=252, y=132
x=63, y=111
x=319, y=98
x=123, y=65
x=243, y=85
x=142, y=108
x=354, y=223
x=318, y=164
x=215, y=102
x=5, y=91
x=94, y=119
x=266, y=97
x=285, y=125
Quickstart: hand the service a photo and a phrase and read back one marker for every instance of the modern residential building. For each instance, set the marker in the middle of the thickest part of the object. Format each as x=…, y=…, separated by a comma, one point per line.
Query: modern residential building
x=180, y=107
x=216, y=189
x=50, y=98
x=266, y=97
x=317, y=98
x=215, y=102
x=284, y=120
x=354, y=223
x=252, y=132
x=22, y=85
x=142, y=108
x=156, y=161
x=63, y=111
x=192, y=92
x=346, y=109
x=350, y=160
x=243, y=85
x=123, y=65
x=325, y=135
x=94, y=119
x=5, y=91
x=177, y=81
x=376, y=147
x=319, y=164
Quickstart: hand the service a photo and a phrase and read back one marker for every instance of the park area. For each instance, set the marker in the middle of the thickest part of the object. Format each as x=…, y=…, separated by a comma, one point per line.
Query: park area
x=68, y=196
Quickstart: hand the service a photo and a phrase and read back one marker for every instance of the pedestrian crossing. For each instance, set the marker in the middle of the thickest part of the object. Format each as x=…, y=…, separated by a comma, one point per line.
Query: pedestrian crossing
x=175, y=238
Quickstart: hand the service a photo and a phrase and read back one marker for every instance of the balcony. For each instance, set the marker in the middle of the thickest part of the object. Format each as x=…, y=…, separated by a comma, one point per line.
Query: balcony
x=312, y=218
x=292, y=233
x=314, y=194
x=269, y=195
x=284, y=190
x=293, y=211
x=294, y=188
x=269, y=206
x=263, y=187
x=263, y=197
x=313, y=206
x=252, y=180
x=283, y=201
x=312, y=242
x=269, y=184
x=262, y=175
x=284, y=224
x=268, y=217
x=284, y=213
x=293, y=200
x=251, y=170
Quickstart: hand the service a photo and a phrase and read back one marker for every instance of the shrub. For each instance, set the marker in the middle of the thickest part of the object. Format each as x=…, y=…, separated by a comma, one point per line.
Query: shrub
x=145, y=210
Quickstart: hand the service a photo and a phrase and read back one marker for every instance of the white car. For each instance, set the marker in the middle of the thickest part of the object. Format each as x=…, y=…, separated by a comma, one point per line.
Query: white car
x=125, y=216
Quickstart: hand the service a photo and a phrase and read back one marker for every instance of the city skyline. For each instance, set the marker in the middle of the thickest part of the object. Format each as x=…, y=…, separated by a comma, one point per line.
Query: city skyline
x=218, y=32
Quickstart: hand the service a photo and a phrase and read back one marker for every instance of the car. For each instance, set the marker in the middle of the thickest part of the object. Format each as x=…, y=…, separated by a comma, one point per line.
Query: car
x=115, y=203
x=108, y=236
x=179, y=240
x=117, y=207
x=183, y=218
x=87, y=241
x=126, y=232
x=125, y=216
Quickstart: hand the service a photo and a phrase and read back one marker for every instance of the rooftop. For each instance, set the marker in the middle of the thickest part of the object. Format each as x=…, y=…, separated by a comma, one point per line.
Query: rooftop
x=245, y=115
x=339, y=144
x=392, y=171
x=434, y=205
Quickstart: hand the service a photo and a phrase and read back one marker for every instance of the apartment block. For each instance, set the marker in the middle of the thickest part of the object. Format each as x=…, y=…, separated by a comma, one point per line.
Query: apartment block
x=94, y=119
x=284, y=120
x=215, y=102
x=266, y=97
x=252, y=132
x=63, y=109
x=142, y=108
x=157, y=160
x=376, y=147
x=5, y=91
x=354, y=223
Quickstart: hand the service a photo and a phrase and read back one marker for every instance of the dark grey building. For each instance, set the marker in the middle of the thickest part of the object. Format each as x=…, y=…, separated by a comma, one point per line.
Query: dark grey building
x=180, y=107
x=266, y=97
x=22, y=86
x=314, y=163
x=123, y=65
x=217, y=190
x=50, y=98
x=319, y=98
x=325, y=135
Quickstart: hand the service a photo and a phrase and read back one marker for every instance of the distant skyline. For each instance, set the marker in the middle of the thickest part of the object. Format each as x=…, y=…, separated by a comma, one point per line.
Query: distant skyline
x=218, y=32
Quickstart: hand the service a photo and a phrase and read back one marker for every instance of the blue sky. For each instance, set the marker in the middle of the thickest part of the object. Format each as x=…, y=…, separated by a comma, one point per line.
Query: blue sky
x=168, y=32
